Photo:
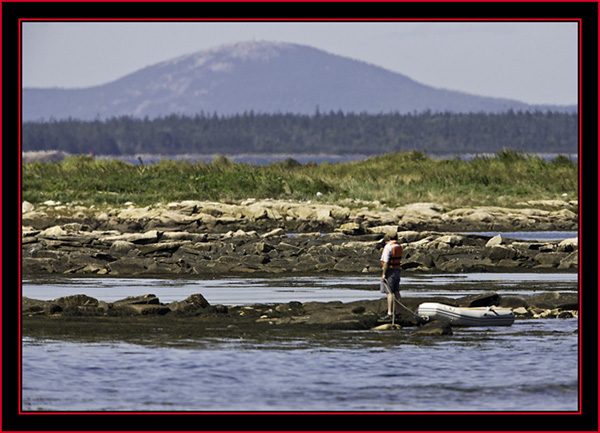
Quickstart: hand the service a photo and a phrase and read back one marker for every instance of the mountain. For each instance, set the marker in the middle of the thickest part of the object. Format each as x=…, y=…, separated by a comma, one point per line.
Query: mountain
x=263, y=77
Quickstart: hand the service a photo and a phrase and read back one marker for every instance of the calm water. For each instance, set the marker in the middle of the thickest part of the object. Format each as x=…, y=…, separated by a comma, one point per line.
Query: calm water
x=530, y=366
x=533, y=236
x=247, y=291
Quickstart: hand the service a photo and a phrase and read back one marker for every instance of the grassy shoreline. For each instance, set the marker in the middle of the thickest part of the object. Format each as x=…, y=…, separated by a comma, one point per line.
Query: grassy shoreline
x=396, y=179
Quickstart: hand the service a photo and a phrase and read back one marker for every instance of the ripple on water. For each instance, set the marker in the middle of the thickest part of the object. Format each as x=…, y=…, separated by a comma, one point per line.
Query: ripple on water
x=531, y=366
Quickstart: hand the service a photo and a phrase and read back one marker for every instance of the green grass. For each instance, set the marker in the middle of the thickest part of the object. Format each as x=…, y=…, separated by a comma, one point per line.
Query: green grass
x=393, y=179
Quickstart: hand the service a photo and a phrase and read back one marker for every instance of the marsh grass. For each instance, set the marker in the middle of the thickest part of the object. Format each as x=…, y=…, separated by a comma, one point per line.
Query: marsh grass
x=393, y=179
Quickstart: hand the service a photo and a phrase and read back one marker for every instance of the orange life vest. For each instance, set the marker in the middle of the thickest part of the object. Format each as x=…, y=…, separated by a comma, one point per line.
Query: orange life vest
x=396, y=257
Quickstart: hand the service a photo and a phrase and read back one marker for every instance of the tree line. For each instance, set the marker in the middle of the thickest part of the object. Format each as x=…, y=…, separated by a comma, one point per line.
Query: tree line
x=333, y=133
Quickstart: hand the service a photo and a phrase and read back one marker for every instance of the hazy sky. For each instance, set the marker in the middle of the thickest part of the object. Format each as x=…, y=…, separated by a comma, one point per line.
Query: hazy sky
x=533, y=62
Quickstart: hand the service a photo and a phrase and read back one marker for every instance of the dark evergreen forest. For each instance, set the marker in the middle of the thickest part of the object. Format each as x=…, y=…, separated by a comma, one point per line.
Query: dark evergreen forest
x=332, y=133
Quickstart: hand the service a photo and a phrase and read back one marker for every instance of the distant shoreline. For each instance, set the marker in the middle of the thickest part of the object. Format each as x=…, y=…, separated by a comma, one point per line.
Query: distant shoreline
x=261, y=159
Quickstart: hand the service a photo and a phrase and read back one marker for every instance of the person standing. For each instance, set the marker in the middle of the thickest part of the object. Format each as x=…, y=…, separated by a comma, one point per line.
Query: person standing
x=391, y=258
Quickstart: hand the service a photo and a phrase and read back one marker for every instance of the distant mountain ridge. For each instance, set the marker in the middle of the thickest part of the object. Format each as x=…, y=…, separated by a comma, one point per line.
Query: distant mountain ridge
x=263, y=77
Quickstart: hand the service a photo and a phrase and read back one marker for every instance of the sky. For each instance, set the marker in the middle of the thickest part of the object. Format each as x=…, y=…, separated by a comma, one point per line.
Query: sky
x=533, y=62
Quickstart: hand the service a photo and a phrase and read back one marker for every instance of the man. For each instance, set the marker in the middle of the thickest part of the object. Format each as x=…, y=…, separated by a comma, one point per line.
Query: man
x=391, y=257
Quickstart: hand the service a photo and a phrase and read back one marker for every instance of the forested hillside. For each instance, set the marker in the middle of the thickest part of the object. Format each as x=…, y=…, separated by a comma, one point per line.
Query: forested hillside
x=333, y=133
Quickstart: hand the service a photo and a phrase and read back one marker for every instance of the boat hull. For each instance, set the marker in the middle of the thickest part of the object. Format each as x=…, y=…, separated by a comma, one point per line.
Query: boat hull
x=465, y=316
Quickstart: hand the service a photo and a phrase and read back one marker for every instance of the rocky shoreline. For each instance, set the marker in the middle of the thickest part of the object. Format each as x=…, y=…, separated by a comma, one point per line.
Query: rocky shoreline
x=276, y=237
x=145, y=316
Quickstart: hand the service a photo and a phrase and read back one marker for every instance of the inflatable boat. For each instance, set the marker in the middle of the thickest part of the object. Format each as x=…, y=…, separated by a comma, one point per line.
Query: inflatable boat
x=466, y=316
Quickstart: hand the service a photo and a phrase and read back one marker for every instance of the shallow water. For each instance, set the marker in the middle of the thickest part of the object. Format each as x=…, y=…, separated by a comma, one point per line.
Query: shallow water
x=530, y=366
x=546, y=236
x=247, y=291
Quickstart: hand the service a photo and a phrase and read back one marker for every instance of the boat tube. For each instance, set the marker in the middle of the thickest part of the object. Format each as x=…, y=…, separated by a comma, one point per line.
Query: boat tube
x=466, y=316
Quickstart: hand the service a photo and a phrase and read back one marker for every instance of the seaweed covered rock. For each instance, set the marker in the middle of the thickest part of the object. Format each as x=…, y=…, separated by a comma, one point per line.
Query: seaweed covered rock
x=143, y=305
x=193, y=304
x=436, y=327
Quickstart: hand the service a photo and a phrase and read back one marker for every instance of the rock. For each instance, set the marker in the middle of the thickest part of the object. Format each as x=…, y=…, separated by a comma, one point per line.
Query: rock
x=423, y=209
x=273, y=213
x=292, y=307
x=26, y=207
x=409, y=236
x=351, y=229
x=509, y=264
x=278, y=232
x=479, y=216
x=303, y=212
x=500, y=252
x=417, y=258
x=79, y=305
x=436, y=327
x=387, y=230
x=193, y=304
x=545, y=314
x=133, y=213
x=450, y=240
x=75, y=301
x=569, y=262
x=42, y=265
x=566, y=314
x=161, y=247
x=568, y=245
x=525, y=246
x=311, y=316
x=323, y=213
x=186, y=207
x=263, y=247
x=513, y=302
x=564, y=215
x=240, y=234
x=183, y=236
x=463, y=263
x=129, y=266
x=346, y=265
x=312, y=262
x=93, y=269
x=145, y=309
x=75, y=227
x=481, y=300
x=522, y=311
x=140, y=305
x=338, y=315
x=496, y=240
x=51, y=203
x=172, y=219
x=554, y=300
x=549, y=259
x=53, y=232
x=138, y=300
x=225, y=237
x=121, y=248
x=135, y=238
x=34, y=307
